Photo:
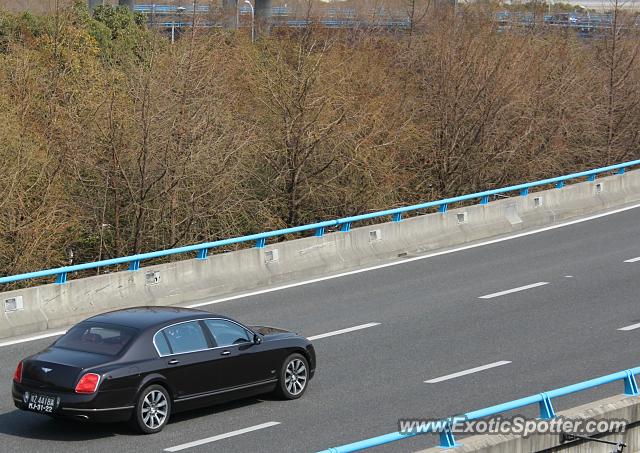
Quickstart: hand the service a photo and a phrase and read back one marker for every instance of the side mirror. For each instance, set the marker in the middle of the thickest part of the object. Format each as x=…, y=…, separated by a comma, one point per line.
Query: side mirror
x=256, y=339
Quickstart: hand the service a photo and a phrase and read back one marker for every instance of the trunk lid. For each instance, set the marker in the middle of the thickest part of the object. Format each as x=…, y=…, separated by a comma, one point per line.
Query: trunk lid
x=58, y=369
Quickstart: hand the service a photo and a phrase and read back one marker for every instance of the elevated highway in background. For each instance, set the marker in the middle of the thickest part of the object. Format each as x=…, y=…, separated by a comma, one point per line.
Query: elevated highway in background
x=427, y=337
x=171, y=16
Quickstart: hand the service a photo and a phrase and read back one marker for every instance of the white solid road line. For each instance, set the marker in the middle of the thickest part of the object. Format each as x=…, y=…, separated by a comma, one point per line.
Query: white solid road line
x=195, y=443
x=347, y=330
x=464, y=373
x=382, y=266
x=415, y=258
x=514, y=290
x=632, y=260
x=32, y=338
x=631, y=327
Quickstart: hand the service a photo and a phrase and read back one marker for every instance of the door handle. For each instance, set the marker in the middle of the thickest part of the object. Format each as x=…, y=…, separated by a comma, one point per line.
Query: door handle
x=173, y=361
x=226, y=352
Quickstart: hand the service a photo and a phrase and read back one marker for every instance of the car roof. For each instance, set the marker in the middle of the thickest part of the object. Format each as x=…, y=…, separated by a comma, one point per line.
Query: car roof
x=143, y=318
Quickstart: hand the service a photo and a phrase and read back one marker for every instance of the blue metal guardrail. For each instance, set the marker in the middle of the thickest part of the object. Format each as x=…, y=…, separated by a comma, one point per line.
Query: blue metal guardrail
x=442, y=427
x=344, y=224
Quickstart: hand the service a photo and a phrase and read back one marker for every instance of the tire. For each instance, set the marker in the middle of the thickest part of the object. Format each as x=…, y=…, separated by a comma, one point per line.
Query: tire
x=294, y=377
x=152, y=410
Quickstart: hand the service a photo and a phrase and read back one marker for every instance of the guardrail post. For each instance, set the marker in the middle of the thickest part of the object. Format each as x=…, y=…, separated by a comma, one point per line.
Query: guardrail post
x=630, y=384
x=524, y=192
x=591, y=178
x=319, y=232
x=260, y=243
x=134, y=265
x=446, y=438
x=61, y=279
x=485, y=200
x=397, y=217
x=559, y=184
x=345, y=227
x=621, y=171
x=443, y=208
x=202, y=254
x=546, y=408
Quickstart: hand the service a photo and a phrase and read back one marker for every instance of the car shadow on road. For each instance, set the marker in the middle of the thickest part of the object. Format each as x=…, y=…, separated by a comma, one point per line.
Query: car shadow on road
x=34, y=426
x=219, y=408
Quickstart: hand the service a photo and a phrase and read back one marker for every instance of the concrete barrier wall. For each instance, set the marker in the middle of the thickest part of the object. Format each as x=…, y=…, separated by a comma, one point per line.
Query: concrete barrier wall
x=56, y=306
x=614, y=408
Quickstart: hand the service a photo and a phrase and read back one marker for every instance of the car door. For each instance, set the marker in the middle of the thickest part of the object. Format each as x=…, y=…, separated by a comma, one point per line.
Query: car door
x=188, y=357
x=243, y=361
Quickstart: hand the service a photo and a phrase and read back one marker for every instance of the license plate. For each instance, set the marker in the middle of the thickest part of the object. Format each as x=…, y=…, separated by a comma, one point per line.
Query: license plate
x=41, y=403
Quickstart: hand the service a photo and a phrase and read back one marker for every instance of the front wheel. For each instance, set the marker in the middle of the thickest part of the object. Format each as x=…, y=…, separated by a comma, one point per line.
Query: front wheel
x=294, y=377
x=152, y=410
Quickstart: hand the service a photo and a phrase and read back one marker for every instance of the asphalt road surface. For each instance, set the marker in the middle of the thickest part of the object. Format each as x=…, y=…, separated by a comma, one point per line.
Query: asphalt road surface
x=550, y=304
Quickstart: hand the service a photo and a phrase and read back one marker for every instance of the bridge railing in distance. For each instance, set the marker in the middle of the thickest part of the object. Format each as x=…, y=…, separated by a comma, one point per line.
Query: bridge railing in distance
x=443, y=427
x=169, y=9
x=343, y=224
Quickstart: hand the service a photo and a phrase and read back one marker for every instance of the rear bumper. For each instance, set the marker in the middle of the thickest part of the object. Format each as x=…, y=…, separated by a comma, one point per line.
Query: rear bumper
x=79, y=407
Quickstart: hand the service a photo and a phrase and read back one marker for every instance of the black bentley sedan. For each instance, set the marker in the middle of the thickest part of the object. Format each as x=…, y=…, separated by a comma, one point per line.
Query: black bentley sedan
x=143, y=364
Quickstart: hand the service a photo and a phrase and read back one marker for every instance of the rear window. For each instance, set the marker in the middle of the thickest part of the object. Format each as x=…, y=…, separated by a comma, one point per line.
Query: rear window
x=98, y=338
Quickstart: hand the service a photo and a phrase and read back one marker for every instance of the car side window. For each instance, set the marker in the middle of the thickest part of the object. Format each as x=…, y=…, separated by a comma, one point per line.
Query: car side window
x=161, y=344
x=185, y=337
x=227, y=333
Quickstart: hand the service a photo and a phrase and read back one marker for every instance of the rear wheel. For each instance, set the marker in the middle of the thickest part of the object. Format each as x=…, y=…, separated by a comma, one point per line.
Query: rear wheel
x=152, y=410
x=294, y=377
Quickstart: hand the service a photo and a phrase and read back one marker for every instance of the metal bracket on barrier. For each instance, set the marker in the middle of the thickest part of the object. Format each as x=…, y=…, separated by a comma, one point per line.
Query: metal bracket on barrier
x=345, y=227
x=443, y=208
x=630, y=384
x=397, y=217
x=591, y=178
x=446, y=438
x=260, y=243
x=621, y=171
x=202, y=254
x=134, y=265
x=485, y=200
x=569, y=437
x=61, y=279
x=559, y=184
x=546, y=408
x=524, y=192
x=319, y=232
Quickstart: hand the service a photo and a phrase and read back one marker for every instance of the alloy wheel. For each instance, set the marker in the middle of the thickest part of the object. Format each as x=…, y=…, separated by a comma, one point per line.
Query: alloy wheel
x=295, y=376
x=154, y=409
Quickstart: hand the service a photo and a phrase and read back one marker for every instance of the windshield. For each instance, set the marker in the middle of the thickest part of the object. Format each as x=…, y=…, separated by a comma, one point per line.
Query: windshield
x=99, y=338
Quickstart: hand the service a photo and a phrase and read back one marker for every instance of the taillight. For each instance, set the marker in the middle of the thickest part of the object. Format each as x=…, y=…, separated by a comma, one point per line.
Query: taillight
x=17, y=376
x=88, y=383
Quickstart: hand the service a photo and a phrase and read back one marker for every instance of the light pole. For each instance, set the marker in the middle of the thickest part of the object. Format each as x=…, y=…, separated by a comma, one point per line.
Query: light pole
x=253, y=21
x=237, y=15
x=179, y=10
